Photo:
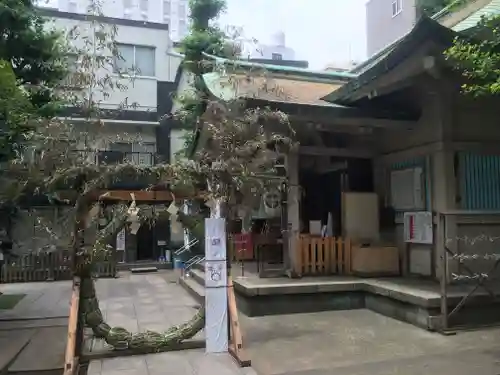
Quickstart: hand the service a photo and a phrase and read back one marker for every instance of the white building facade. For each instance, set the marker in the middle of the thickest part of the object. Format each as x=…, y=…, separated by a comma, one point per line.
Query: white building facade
x=172, y=12
x=275, y=50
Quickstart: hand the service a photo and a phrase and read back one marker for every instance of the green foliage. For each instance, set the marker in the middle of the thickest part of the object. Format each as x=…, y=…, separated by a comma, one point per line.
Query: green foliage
x=15, y=111
x=35, y=53
x=478, y=58
x=204, y=37
x=431, y=7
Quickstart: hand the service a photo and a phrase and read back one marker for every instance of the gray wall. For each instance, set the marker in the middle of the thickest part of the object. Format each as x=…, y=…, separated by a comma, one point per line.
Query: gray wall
x=382, y=28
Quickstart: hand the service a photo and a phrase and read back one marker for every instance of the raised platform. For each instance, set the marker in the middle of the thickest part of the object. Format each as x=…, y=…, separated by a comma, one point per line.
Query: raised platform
x=410, y=300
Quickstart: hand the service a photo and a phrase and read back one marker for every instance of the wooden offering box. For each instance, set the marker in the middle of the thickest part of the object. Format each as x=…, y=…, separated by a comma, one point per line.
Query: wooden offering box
x=375, y=260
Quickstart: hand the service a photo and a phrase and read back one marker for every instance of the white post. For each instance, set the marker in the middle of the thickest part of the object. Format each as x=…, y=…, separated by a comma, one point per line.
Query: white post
x=216, y=320
x=293, y=201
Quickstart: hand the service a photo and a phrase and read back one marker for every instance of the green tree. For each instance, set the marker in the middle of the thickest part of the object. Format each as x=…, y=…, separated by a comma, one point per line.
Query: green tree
x=431, y=7
x=32, y=66
x=35, y=52
x=477, y=58
x=15, y=111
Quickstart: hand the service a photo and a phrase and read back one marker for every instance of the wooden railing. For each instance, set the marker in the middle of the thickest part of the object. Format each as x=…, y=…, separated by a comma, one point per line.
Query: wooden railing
x=323, y=256
x=45, y=266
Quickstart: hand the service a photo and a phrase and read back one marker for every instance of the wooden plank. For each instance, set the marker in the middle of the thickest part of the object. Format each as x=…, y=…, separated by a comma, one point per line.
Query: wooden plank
x=306, y=253
x=314, y=248
x=327, y=255
x=70, y=364
x=348, y=252
x=236, y=340
x=340, y=255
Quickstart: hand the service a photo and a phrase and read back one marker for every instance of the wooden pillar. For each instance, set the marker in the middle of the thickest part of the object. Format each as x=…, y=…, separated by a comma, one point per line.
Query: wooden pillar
x=293, y=211
x=443, y=173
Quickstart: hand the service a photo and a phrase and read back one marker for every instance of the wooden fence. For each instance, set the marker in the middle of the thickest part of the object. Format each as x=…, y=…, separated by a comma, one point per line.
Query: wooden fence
x=47, y=266
x=323, y=256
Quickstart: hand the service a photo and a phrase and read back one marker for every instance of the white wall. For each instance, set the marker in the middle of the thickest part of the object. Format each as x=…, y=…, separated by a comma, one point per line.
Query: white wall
x=141, y=90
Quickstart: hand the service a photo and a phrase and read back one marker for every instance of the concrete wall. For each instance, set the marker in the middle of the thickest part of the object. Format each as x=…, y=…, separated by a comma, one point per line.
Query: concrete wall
x=139, y=93
x=382, y=28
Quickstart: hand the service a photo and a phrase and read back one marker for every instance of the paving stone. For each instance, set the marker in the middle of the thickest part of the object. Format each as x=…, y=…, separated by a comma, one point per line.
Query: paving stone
x=124, y=363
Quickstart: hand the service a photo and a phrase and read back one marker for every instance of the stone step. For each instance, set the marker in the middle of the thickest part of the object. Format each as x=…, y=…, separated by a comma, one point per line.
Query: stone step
x=199, y=266
x=144, y=269
x=196, y=290
x=129, y=266
x=198, y=276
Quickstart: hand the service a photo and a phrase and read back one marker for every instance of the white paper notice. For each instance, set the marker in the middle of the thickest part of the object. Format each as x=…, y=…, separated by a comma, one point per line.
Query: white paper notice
x=120, y=240
x=216, y=274
x=216, y=333
x=215, y=239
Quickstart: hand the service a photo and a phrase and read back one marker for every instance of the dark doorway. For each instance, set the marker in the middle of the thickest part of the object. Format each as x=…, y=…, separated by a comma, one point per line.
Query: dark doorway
x=145, y=243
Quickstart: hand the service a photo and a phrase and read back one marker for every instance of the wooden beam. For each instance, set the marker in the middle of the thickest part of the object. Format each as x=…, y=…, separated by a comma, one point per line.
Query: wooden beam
x=236, y=340
x=142, y=195
x=353, y=125
x=70, y=359
x=339, y=152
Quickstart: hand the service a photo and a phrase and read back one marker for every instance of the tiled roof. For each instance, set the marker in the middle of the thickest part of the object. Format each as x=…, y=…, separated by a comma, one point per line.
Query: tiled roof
x=492, y=9
x=425, y=30
x=248, y=65
x=267, y=87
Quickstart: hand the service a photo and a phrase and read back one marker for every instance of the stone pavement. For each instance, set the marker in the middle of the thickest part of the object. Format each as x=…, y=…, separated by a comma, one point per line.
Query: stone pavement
x=140, y=302
x=156, y=302
x=43, y=300
x=361, y=342
x=33, y=333
x=186, y=362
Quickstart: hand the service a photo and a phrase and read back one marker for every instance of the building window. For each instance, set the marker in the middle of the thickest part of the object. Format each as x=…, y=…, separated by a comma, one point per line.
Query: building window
x=127, y=8
x=397, y=7
x=182, y=28
x=277, y=56
x=72, y=6
x=135, y=60
x=167, y=9
x=144, y=7
x=182, y=10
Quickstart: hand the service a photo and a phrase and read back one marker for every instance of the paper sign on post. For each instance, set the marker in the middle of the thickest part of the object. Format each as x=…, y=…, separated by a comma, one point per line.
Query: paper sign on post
x=215, y=240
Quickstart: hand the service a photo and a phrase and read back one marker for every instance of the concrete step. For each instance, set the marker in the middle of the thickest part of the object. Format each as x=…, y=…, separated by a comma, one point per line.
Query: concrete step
x=198, y=276
x=144, y=269
x=199, y=266
x=196, y=290
x=129, y=266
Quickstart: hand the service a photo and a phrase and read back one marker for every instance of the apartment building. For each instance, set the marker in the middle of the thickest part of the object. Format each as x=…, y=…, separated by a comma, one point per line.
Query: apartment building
x=130, y=133
x=389, y=20
x=172, y=12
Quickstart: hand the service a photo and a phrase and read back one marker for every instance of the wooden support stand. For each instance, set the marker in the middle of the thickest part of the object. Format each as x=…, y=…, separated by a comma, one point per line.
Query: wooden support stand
x=235, y=338
x=71, y=358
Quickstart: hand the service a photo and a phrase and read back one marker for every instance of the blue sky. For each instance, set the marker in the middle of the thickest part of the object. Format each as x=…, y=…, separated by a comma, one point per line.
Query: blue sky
x=320, y=31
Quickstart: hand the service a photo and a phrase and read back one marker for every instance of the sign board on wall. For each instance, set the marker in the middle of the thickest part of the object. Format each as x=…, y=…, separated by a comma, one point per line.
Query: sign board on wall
x=418, y=227
x=120, y=240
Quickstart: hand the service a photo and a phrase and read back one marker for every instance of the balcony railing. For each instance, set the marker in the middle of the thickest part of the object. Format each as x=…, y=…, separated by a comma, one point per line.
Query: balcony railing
x=118, y=157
